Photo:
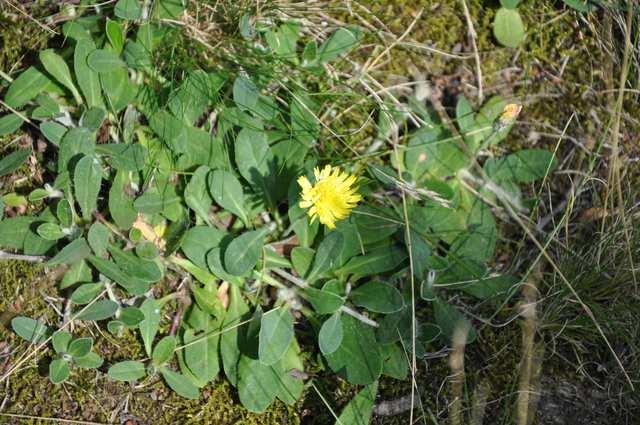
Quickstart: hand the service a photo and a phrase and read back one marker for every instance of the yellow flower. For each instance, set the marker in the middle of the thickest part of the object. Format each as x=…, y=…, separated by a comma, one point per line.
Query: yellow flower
x=331, y=198
x=510, y=112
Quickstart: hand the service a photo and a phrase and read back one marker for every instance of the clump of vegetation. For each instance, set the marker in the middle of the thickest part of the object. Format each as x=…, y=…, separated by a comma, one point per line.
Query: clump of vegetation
x=205, y=212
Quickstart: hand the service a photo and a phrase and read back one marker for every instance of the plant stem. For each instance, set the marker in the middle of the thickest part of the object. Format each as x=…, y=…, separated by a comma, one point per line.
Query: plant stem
x=29, y=258
x=302, y=284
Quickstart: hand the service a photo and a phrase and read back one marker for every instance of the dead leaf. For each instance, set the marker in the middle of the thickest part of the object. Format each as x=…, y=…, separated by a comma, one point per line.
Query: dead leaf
x=149, y=233
x=223, y=294
x=285, y=246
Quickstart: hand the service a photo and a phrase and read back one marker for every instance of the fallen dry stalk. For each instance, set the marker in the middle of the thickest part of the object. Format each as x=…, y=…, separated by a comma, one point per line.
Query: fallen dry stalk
x=456, y=363
x=530, y=363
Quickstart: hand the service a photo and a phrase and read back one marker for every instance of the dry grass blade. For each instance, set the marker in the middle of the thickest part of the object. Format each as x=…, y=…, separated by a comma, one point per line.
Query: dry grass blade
x=525, y=411
x=614, y=170
x=456, y=363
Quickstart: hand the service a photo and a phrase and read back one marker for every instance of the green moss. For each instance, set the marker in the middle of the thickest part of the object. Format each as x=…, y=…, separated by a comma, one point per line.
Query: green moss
x=20, y=37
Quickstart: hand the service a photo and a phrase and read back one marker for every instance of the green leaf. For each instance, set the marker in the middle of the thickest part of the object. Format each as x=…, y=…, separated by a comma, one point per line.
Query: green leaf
x=147, y=250
x=508, y=27
x=190, y=99
x=256, y=161
x=136, y=56
x=245, y=93
x=64, y=213
x=131, y=316
x=310, y=52
x=117, y=88
x=75, y=251
x=327, y=255
x=84, y=294
x=582, y=5
x=171, y=9
x=80, y=347
x=377, y=296
x=289, y=387
x=58, y=371
x=100, y=310
x=35, y=245
x=449, y=319
x=196, y=194
x=509, y=4
x=360, y=408
x=14, y=230
x=305, y=231
x=256, y=384
x=375, y=262
x=357, y=359
x=330, y=335
x=433, y=153
x=77, y=140
x=93, y=118
x=120, y=202
x=163, y=351
x=134, y=266
x=78, y=273
x=56, y=66
x=151, y=323
x=104, y=61
x=276, y=332
x=115, y=34
x=201, y=357
x=198, y=241
x=25, y=87
x=76, y=31
x=9, y=124
x=465, y=116
x=489, y=287
x=133, y=285
x=87, y=179
x=229, y=350
x=88, y=79
x=48, y=107
x=29, y=329
x=395, y=361
x=324, y=302
x=98, y=238
x=243, y=252
x=525, y=166
x=227, y=192
x=60, y=341
x=90, y=361
x=301, y=258
x=53, y=132
x=127, y=371
x=283, y=40
x=487, y=116
x=340, y=42
x=115, y=327
x=304, y=123
x=479, y=241
x=170, y=129
x=13, y=161
x=180, y=384
x=128, y=9
x=153, y=202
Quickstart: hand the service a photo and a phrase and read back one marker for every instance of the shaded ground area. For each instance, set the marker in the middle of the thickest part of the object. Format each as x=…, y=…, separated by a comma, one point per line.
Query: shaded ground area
x=565, y=74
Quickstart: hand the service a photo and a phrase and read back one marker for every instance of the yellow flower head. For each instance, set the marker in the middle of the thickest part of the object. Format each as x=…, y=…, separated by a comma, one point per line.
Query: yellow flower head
x=510, y=112
x=331, y=198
